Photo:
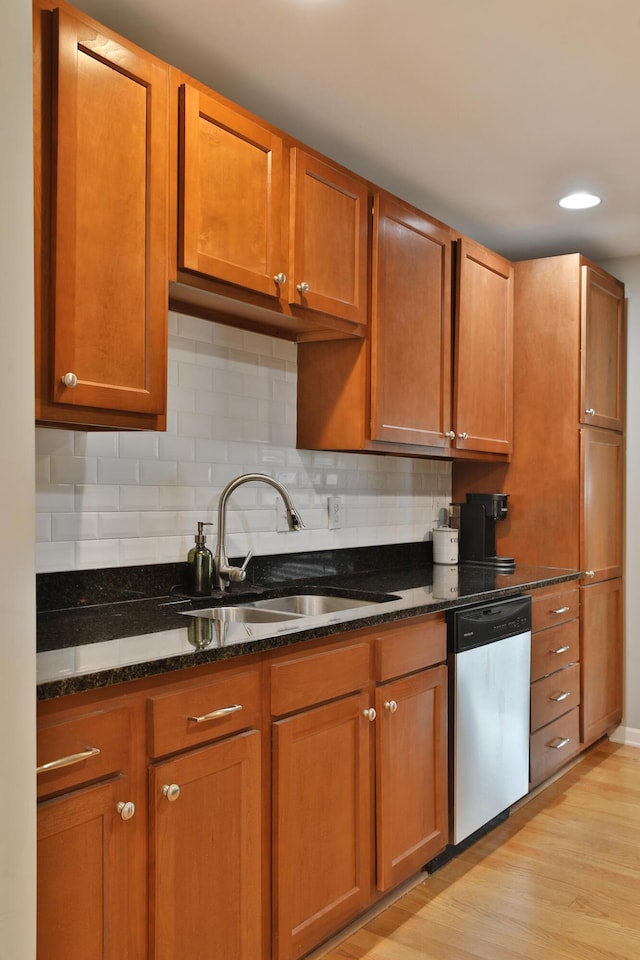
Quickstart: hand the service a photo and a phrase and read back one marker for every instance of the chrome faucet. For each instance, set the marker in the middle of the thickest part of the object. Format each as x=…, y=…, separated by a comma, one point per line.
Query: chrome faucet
x=224, y=572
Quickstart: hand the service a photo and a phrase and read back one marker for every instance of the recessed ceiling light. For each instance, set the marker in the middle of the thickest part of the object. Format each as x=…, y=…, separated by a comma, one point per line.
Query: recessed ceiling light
x=579, y=201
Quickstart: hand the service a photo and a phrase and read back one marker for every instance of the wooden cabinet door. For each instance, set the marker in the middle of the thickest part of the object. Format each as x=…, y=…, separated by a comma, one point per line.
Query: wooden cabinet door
x=108, y=325
x=411, y=774
x=321, y=823
x=483, y=370
x=601, y=350
x=410, y=327
x=206, y=879
x=329, y=221
x=601, y=466
x=232, y=222
x=86, y=884
x=601, y=658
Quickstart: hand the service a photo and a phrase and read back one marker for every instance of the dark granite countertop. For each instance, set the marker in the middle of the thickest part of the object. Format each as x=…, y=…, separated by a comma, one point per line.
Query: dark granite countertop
x=103, y=636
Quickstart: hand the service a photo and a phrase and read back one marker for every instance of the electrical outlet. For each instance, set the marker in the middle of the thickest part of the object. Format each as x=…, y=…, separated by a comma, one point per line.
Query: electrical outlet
x=335, y=513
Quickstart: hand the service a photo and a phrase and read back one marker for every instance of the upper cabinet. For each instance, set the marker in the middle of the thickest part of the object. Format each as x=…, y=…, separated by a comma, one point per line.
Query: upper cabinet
x=601, y=349
x=101, y=162
x=422, y=384
x=410, y=326
x=483, y=387
x=267, y=233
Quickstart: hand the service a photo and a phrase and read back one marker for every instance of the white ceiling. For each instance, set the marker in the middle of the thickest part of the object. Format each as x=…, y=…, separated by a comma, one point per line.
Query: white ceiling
x=481, y=112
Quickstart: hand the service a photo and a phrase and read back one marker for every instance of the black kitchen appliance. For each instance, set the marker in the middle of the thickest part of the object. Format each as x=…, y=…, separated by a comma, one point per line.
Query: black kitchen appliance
x=476, y=520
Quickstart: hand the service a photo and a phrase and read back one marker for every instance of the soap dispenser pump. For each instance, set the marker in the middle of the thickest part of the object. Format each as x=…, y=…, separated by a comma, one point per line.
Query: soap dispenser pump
x=200, y=561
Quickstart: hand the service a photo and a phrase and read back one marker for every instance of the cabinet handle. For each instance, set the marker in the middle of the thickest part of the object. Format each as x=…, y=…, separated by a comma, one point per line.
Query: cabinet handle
x=370, y=714
x=391, y=706
x=559, y=697
x=561, y=610
x=463, y=436
x=559, y=743
x=562, y=649
x=590, y=412
x=69, y=380
x=303, y=288
x=126, y=810
x=68, y=761
x=216, y=714
x=280, y=278
x=171, y=791
x=589, y=573
x=450, y=434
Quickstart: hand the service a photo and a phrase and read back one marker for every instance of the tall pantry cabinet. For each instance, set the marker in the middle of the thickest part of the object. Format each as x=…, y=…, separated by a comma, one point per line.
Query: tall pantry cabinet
x=565, y=479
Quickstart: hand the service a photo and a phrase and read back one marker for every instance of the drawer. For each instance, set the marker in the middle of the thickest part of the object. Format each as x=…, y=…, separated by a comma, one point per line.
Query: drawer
x=410, y=647
x=554, y=648
x=552, y=608
x=300, y=682
x=88, y=747
x=204, y=710
x=554, y=745
x=554, y=695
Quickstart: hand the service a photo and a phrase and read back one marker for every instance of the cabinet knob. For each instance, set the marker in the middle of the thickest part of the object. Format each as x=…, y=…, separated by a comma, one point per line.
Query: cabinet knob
x=303, y=288
x=126, y=810
x=463, y=436
x=370, y=714
x=69, y=380
x=450, y=434
x=589, y=573
x=590, y=412
x=391, y=706
x=171, y=791
x=280, y=278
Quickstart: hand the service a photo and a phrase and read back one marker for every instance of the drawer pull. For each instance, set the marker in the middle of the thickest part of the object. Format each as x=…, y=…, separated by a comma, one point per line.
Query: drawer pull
x=559, y=697
x=562, y=649
x=559, y=743
x=561, y=610
x=126, y=809
x=216, y=714
x=68, y=761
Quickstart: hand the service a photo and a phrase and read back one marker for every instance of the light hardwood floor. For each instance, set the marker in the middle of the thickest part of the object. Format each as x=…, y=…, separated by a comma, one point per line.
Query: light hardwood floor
x=559, y=880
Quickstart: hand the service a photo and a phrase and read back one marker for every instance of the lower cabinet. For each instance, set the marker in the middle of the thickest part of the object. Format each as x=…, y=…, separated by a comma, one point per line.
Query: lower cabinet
x=206, y=852
x=168, y=818
x=601, y=652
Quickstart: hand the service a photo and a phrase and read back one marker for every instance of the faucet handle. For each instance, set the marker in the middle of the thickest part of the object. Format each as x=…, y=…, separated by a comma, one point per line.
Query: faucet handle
x=238, y=574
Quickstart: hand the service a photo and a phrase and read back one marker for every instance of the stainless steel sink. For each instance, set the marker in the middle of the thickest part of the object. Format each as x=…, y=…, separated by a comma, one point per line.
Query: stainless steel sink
x=310, y=605
x=242, y=614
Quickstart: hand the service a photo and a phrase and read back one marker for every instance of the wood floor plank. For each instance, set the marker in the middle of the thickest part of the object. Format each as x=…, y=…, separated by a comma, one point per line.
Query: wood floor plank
x=559, y=880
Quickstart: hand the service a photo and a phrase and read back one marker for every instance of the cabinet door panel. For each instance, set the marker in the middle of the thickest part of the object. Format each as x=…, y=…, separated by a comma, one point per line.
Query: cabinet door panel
x=207, y=880
x=601, y=462
x=602, y=339
x=411, y=327
x=109, y=256
x=483, y=379
x=231, y=195
x=321, y=829
x=601, y=656
x=85, y=877
x=411, y=774
x=329, y=220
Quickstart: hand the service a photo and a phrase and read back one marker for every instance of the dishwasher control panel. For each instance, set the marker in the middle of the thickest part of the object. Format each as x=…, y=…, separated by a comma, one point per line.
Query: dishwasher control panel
x=474, y=626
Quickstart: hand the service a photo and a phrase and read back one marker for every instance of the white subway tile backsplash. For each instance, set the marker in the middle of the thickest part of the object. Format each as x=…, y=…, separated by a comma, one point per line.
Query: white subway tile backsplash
x=111, y=498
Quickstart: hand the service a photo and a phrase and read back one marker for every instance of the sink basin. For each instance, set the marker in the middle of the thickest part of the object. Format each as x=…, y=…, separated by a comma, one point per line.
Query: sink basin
x=310, y=605
x=242, y=614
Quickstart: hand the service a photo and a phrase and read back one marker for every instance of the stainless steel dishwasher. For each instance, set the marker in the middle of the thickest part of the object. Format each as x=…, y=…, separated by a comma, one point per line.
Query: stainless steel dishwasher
x=490, y=668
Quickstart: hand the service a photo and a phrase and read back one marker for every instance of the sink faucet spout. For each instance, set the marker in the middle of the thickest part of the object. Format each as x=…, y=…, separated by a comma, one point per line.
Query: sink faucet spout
x=224, y=572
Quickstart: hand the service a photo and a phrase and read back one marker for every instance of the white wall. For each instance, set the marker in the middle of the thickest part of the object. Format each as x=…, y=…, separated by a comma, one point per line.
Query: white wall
x=17, y=604
x=628, y=270
x=111, y=499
